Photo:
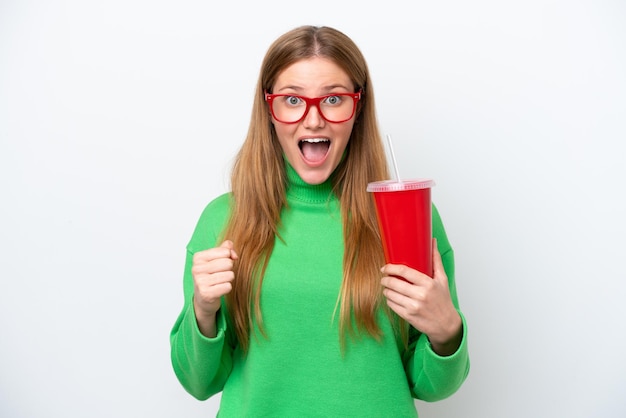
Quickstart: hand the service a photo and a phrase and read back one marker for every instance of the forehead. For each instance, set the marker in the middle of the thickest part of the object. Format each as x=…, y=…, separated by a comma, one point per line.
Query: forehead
x=313, y=73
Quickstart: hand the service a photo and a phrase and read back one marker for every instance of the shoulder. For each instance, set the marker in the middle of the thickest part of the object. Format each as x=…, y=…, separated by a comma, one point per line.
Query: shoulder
x=211, y=223
x=220, y=206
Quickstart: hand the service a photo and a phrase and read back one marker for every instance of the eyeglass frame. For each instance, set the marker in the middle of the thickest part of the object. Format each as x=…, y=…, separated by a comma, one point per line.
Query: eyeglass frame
x=313, y=101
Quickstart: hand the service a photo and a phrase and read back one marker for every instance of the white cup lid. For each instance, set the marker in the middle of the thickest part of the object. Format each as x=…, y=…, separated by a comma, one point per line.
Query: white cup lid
x=398, y=186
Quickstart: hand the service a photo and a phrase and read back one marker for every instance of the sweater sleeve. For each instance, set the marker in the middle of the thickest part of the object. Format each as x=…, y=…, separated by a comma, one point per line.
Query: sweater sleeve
x=201, y=364
x=433, y=377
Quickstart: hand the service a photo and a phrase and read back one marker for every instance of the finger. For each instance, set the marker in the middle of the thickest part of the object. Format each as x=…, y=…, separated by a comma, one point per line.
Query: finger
x=399, y=271
x=213, y=293
x=397, y=284
x=407, y=273
x=223, y=288
x=438, y=269
x=217, y=278
x=212, y=254
x=397, y=298
x=398, y=309
x=403, y=305
x=214, y=266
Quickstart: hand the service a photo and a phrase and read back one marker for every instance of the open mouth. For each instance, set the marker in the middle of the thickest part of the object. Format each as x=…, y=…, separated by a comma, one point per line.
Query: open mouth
x=314, y=149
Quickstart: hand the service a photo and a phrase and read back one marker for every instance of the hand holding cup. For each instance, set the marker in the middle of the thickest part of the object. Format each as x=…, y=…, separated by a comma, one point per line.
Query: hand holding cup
x=424, y=302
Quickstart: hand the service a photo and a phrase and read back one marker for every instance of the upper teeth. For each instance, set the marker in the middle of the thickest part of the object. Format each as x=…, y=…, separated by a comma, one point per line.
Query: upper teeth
x=315, y=140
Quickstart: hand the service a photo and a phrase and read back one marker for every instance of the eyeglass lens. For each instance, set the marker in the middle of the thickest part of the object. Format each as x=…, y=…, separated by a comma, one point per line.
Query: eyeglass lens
x=335, y=108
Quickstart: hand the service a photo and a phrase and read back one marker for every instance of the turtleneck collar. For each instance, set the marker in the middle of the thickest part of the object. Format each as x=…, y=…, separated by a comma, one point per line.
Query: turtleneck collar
x=300, y=190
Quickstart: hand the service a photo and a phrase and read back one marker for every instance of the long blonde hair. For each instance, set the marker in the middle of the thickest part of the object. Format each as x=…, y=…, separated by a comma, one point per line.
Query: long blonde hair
x=259, y=190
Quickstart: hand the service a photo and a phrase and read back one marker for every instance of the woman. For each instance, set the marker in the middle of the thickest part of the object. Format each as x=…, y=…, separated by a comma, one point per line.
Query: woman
x=287, y=309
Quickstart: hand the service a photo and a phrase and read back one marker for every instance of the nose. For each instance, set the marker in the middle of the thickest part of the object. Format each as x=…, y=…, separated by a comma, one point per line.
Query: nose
x=313, y=119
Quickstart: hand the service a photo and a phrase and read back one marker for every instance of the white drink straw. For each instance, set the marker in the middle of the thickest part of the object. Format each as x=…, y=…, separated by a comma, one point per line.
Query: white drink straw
x=393, y=159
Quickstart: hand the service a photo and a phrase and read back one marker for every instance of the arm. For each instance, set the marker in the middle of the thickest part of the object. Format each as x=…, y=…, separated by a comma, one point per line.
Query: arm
x=437, y=360
x=201, y=346
x=433, y=376
x=202, y=365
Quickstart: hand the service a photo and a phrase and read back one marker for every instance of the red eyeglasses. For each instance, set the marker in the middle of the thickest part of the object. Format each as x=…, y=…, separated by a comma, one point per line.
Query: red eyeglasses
x=334, y=108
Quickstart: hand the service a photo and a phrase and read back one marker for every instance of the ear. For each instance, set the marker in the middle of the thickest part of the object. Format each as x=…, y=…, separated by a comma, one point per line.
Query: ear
x=360, y=104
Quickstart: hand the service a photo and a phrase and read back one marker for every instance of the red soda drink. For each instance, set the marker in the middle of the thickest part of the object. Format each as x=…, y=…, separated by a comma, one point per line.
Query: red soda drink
x=404, y=213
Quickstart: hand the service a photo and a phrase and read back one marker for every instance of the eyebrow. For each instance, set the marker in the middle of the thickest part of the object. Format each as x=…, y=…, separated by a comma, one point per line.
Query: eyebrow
x=326, y=89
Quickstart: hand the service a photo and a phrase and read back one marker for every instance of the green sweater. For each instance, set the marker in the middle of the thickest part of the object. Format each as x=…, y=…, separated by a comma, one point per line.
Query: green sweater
x=298, y=370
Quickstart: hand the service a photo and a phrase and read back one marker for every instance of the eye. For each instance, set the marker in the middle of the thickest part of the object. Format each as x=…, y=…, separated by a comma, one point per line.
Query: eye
x=293, y=100
x=333, y=100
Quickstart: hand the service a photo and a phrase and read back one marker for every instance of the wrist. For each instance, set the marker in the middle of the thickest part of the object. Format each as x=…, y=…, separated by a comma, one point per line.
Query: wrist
x=448, y=343
x=206, y=321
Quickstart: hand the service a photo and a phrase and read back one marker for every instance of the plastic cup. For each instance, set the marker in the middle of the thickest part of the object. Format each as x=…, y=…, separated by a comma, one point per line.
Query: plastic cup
x=404, y=213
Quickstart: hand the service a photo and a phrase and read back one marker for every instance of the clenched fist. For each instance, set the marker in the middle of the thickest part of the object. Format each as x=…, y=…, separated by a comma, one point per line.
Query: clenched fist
x=212, y=272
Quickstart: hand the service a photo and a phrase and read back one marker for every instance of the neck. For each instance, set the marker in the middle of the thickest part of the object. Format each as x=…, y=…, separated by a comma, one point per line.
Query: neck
x=303, y=191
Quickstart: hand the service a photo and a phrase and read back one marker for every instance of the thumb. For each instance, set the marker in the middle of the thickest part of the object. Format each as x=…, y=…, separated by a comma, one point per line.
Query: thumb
x=229, y=244
x=439, y=272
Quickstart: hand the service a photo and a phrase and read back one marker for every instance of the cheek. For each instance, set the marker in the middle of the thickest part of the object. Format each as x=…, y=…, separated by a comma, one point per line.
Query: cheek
x=283, y=132
x=345, y=133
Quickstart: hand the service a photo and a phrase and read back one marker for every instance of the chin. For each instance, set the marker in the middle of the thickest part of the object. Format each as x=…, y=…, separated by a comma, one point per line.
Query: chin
x=313, y=177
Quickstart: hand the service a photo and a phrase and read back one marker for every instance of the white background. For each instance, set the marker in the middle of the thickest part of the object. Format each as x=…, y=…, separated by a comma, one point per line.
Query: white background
x=119, y=121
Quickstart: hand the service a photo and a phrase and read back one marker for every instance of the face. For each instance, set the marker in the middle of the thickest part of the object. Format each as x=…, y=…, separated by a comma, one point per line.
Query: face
x=313, y=146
